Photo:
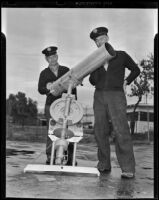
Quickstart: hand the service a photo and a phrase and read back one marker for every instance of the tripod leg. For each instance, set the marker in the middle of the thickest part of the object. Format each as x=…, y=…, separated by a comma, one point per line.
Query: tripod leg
x=52, y=153
x=74, y=154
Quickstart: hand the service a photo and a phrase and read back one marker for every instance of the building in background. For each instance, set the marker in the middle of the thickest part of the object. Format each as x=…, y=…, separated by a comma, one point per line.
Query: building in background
x=88, y=117
x=144, y=117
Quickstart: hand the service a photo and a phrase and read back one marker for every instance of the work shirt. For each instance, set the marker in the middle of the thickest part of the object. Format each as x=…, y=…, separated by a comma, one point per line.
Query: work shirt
x=113, y=77
x=47, y=76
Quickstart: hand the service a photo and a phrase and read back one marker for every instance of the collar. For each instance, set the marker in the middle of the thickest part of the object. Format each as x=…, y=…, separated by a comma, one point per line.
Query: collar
x=54, y=69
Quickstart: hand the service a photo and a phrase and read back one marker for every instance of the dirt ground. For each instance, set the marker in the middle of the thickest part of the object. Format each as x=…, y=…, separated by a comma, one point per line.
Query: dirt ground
x=111, y=186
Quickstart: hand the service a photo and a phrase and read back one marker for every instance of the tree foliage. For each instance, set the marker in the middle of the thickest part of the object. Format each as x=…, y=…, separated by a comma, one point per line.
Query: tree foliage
x=143, y=85
x=21, y=108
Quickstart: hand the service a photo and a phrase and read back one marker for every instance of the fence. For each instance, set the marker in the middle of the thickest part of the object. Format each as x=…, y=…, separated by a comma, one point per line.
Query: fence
x=39, y=134
x=27, y=133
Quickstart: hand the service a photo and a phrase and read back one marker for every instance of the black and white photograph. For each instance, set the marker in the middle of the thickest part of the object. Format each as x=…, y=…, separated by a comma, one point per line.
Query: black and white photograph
x=80, y=102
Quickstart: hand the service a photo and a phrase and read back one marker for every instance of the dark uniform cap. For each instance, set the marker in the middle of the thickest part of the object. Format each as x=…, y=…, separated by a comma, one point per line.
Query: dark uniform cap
x=98, y=31
x=49, y=51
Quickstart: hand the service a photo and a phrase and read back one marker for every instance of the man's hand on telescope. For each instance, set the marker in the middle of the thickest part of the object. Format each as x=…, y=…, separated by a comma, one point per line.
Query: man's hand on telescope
x=49, y=85
x=81, y=82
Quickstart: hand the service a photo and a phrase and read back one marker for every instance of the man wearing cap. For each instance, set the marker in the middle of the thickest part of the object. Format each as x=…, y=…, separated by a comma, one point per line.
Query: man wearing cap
x=50, y=74
x=110, y=104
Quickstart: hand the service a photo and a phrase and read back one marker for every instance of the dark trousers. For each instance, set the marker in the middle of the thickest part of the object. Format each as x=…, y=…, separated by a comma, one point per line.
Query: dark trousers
x=48, y=140
x=112, y=105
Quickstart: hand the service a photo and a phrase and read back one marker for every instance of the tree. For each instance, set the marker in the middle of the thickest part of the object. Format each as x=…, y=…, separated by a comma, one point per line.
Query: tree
x=142, y=85
x=21, y=108
x=10, y=103
x=32, y=108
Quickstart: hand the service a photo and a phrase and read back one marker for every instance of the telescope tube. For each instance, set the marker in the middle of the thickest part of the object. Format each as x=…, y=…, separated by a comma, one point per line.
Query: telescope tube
x=99, y=57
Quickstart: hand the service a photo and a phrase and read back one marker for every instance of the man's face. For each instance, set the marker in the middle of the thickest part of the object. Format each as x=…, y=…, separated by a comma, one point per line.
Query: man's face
x=52, y=60
x=100, y=40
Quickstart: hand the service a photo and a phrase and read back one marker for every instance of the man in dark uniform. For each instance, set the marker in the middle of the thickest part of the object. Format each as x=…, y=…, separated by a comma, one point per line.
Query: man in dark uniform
x=50, y=74
x=110, y=104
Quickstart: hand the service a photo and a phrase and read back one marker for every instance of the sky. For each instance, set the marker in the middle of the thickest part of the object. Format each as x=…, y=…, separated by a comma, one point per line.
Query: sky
x=29, y=30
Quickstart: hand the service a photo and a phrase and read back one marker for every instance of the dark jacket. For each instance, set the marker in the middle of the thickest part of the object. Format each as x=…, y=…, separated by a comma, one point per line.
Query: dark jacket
x=113, y=78
x=47, y=76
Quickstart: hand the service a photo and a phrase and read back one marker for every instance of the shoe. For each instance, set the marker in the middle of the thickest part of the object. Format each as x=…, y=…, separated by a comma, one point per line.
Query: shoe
x=70, y=155
x=69, y=163
x=127, y=175
x=48, y=160
x=104, y=171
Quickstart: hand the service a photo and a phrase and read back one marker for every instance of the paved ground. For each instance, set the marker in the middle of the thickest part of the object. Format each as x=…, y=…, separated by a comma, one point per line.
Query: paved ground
x=29, y=185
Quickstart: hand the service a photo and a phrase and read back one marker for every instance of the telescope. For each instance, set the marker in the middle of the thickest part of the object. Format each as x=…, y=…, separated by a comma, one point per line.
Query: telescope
x=99, y=57
x=67, y=113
